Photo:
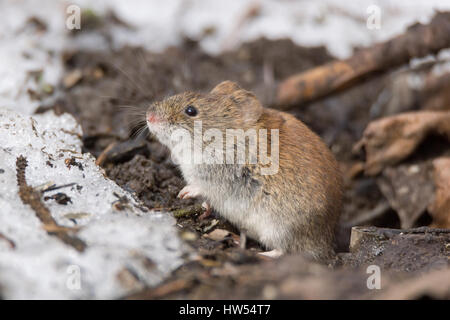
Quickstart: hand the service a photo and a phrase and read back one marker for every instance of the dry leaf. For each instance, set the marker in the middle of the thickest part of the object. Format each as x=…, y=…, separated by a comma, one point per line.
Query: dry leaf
x=390, y=140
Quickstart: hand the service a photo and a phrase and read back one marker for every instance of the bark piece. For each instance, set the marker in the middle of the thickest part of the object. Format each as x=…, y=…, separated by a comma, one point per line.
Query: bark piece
x=401, y=250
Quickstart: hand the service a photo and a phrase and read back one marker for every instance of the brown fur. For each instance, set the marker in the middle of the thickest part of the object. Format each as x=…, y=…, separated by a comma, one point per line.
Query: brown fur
x=304, y=198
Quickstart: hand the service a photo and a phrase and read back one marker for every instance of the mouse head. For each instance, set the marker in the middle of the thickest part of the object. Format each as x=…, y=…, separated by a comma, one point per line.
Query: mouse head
x=227, y=106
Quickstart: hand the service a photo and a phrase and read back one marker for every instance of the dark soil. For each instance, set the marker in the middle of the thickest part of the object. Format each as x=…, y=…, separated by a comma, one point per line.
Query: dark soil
x=133, y=76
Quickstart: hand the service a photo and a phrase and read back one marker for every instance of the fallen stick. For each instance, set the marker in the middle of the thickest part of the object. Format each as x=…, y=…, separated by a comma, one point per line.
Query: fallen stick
x=418, y=41
x=32, y=198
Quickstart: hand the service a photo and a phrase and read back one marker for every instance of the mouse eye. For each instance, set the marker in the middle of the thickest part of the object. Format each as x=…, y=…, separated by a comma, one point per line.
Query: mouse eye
x=190, y=111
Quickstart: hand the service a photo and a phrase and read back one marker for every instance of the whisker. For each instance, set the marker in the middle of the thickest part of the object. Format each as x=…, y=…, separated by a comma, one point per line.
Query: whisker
x=134, y=117
x=140, y=133
x=137, y=86
x=116, y=98
x=132, y=108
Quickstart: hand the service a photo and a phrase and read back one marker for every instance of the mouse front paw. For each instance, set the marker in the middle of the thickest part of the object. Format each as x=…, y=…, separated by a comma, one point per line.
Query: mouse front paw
x=189, y=192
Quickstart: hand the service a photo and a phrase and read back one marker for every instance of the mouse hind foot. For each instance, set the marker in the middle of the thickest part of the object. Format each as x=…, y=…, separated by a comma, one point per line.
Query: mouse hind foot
x=207, y=212
x=275, y=253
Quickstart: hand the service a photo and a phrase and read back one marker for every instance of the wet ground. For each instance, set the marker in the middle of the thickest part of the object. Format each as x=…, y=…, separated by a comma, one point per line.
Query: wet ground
x=97, y=89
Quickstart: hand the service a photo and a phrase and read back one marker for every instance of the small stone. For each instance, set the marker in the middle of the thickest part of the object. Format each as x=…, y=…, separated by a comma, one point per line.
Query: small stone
x=188, y=236
x=72, y=78
x=218, y=234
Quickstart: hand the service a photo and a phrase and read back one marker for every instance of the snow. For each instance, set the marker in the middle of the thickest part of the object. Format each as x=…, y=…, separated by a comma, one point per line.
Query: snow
x=39, y=265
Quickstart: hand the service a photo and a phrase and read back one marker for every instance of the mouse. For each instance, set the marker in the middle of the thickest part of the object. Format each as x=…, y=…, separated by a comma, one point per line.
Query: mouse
x=290, y=204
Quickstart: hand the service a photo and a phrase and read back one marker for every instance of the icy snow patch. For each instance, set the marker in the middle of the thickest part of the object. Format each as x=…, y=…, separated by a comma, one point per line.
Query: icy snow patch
x=42, y=266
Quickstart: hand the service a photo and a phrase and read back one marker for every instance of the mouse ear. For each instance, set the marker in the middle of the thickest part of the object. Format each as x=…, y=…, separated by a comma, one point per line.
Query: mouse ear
x=251, y=108
x=249, y=105
x=225, y=88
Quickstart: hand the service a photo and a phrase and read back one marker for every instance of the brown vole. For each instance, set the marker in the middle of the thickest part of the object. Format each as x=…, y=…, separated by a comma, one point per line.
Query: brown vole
x=292, y=209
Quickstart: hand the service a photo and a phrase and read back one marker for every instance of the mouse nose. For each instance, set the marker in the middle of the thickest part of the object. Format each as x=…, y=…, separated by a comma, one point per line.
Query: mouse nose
x=152, y=118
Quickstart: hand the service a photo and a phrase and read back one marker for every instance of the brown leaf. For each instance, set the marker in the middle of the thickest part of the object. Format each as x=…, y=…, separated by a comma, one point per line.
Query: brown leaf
x=390, y=140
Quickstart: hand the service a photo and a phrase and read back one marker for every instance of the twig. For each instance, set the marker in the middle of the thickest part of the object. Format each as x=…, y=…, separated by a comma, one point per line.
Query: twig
x=418, y=41
x=103, y=156
x=371, y=214
x=33, y=198
x=11, y=243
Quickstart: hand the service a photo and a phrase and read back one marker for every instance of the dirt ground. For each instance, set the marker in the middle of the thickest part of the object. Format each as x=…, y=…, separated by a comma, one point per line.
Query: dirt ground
x=98, y=87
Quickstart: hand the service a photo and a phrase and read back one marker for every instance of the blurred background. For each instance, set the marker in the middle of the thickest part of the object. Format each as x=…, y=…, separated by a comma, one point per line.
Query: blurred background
x=217, y=25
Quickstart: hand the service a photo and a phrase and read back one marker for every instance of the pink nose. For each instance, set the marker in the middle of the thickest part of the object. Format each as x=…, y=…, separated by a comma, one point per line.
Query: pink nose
x=152, y=118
